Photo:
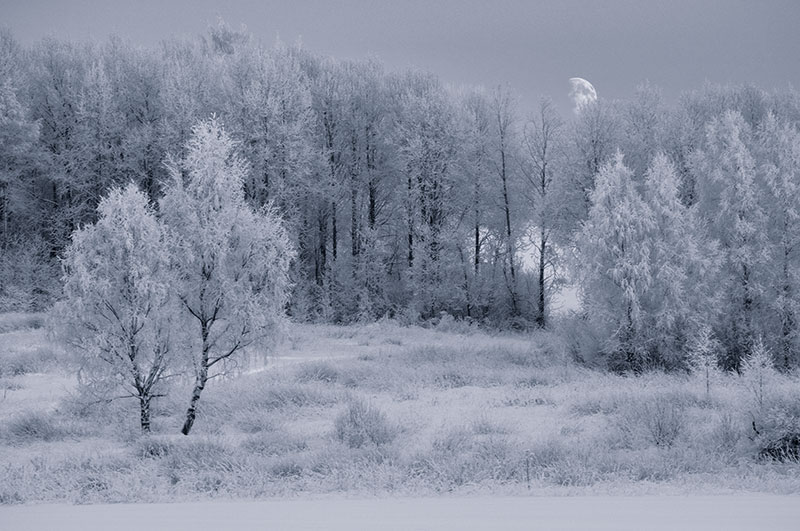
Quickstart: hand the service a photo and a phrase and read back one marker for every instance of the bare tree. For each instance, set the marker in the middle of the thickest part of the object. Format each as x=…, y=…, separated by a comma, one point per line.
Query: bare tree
x=542, y=151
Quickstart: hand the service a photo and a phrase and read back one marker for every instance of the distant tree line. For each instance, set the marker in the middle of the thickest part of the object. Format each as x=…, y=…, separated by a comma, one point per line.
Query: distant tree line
x=406, y=198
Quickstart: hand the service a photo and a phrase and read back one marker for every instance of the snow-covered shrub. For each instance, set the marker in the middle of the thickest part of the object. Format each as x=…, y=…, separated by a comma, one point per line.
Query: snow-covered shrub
x=16, y=361
x=274, y=443
x=656, y=421
x=12, y=321
x=295, y=395
x=319, y=371
x=581, y=339
x=703, y=358
x=29, y=427
x=362, y=424
x=759, y=374
x=459, y=456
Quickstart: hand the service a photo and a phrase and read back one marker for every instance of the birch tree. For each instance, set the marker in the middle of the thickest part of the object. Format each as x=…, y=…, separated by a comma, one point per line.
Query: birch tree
x=683, y=263
x=231, y=261
x=729, y=197
x=542, y=151
x=117, y=311
x=615, y=263
x=779, y=147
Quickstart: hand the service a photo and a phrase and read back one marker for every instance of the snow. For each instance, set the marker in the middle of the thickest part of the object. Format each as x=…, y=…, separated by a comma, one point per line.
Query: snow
x=728, y=512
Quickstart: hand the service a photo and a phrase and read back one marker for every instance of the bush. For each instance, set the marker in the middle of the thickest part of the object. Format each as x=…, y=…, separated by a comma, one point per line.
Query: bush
x=10, y=322
x=151, y=447
x=319, y=371
x=460, y=457
x=361, y=424
x=29, y=362
x=581, y=338
x=273, y=444
x=32, y=427
x=281, y=396
x=658, y=421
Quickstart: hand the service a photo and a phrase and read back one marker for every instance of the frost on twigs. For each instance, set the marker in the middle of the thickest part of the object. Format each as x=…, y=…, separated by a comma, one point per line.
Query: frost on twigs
x=117, y=311
x=703, y=357
x=231, y=262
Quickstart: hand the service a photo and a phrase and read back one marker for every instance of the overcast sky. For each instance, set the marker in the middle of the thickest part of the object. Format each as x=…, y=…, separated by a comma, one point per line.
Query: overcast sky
x=534, y=46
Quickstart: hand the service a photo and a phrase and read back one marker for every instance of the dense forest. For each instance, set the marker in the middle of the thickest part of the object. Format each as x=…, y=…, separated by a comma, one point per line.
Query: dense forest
x=406, y=198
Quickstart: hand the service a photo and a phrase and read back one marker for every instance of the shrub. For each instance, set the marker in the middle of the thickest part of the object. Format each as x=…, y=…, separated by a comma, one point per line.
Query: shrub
x=10, y=322
x=582, y=339
x=281, y=396
x=657, y=421
x=459, y=457
x=26, y=360
x=758, y=374
x=149, y=447
x=287, y=469
x=361, y=424
x=319, y=371
x=30, y=427
x=274, y=444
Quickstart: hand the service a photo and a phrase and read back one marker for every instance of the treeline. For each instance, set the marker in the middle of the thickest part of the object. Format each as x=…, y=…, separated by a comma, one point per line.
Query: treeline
x=408, y=198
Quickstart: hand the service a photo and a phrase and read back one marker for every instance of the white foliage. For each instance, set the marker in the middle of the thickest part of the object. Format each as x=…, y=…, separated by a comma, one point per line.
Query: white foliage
x=615, y=262
x=231, y=262
x=117, y=307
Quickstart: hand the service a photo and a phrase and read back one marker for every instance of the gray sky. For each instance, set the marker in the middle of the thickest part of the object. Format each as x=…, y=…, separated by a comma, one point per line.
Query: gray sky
x=534, y=46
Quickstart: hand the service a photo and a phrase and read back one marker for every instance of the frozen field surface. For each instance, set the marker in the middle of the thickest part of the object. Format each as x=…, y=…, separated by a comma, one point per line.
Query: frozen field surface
x=728, y=512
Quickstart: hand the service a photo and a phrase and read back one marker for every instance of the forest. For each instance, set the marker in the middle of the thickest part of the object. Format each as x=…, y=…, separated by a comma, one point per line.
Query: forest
x=404, y=198
x=253, y=272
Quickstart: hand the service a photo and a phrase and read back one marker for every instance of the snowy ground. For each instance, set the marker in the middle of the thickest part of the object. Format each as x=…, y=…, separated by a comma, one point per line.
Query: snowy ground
x=613, y=513
x=449, y=411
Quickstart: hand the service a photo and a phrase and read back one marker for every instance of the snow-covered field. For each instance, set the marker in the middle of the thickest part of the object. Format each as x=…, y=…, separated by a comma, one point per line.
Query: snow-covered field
x=407, y=419
x=670, y=513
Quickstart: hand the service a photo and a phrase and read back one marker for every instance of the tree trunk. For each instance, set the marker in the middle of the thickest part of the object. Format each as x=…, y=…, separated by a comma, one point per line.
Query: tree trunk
x=200, y=384
x=540, y=315
x=200, y=380
x=373, y=193
x=509, y=246
x=355, y=233
x=788, y=321
x=144, y=410
x=5, y=215
x=334, y=235
x=322, y=247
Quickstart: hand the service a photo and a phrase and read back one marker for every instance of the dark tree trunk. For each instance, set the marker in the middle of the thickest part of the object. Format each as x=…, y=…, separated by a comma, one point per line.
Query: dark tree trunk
x=200, y=384
x=541, y=320
x=355, y=233
x=144, y=411
x=200, y=380
x=334, y=235
x=322, y=248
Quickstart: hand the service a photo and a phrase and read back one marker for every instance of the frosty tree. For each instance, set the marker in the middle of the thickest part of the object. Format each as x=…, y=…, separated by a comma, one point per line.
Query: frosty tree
x=117, y=307
x=231, y=262
x=729, y=192
x=615, y=266
x=682, y=262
